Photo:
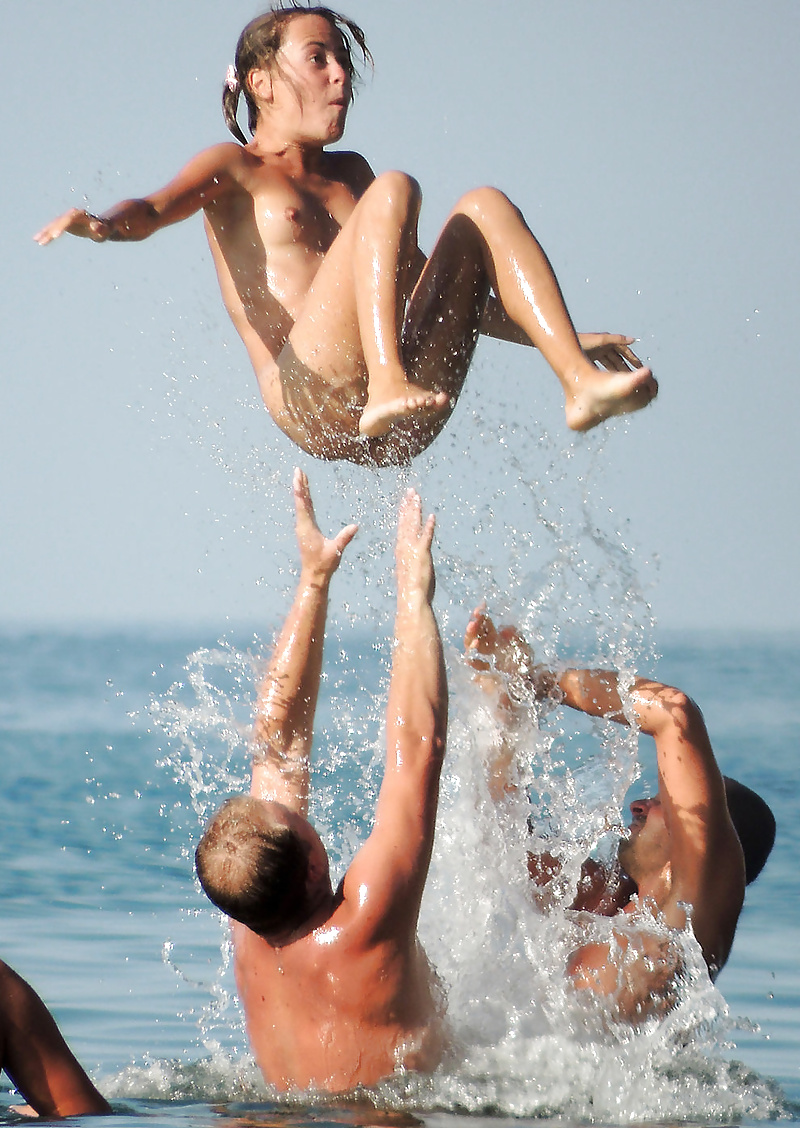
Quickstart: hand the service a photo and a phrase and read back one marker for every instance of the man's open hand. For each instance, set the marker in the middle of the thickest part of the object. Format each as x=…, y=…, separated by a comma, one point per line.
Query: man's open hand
x=415, y=575
x=319, y=556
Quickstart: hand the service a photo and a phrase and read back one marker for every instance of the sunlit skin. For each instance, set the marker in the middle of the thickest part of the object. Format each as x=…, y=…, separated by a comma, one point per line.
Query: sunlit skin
x=681, y=848
x=361, y=345
x=37, y=1059
x=347, y=996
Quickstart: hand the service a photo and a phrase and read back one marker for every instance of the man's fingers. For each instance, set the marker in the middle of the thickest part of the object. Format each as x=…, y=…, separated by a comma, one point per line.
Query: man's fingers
x=410, y=512
x=345, y=536
x=299, y=482
x=311, y=540
x=481, y=630
x=304, y=507
x=410, y=519
x=426, y=536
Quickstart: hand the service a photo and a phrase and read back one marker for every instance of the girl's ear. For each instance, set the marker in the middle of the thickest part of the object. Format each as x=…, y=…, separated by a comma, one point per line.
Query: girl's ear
x=260, y=82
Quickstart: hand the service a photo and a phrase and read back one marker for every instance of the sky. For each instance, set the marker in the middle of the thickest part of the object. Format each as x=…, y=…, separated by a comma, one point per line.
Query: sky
x=654, y=151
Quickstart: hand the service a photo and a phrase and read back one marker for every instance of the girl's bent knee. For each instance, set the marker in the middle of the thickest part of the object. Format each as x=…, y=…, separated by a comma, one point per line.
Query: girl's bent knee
x=479, y=202
x=397, y=189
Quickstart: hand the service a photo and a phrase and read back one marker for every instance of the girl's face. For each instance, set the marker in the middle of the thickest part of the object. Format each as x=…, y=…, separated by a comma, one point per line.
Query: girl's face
x=310, y=84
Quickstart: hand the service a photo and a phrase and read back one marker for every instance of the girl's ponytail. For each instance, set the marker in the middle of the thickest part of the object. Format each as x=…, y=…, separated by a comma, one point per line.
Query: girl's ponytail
x=230, y=103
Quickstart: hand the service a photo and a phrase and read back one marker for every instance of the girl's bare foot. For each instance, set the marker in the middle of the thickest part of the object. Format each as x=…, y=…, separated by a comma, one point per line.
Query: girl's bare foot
x=598, y=395
x=396, y=403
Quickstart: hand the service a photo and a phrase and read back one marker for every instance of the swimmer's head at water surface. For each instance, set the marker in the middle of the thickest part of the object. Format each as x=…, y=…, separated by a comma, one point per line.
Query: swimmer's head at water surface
x=295, y=57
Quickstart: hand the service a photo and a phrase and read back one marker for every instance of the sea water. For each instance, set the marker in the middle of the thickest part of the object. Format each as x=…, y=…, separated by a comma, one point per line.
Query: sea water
x=117, y=745
x=102, y=915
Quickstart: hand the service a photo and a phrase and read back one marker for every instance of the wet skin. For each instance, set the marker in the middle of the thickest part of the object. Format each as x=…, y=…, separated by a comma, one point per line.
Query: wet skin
x=314, y=253
x=342, y=994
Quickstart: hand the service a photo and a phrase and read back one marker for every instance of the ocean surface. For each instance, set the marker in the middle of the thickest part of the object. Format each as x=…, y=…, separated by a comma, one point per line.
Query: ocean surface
x=115, y=746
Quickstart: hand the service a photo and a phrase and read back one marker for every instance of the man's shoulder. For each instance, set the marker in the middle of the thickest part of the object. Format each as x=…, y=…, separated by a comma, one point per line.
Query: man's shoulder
x=336, y=932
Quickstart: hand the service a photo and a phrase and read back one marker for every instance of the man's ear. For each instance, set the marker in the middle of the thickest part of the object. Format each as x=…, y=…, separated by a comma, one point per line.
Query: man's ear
x=315, y=869
x=318, y=866
x=260, y=83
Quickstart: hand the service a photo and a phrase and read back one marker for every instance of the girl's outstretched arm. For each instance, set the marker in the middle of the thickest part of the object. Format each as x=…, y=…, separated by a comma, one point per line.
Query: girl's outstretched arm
x=202, y=181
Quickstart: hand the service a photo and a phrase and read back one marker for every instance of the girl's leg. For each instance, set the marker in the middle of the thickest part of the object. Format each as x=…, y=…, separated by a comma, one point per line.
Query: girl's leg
x=349, y=330
x=486, y=237
x=405, y=380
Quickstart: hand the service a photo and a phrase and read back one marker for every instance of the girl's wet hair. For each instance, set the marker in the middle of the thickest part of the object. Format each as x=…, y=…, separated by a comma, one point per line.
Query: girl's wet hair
x=258, y=47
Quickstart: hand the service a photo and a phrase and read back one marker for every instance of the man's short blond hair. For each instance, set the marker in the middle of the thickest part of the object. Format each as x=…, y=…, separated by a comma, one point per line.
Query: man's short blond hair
x=252, y=869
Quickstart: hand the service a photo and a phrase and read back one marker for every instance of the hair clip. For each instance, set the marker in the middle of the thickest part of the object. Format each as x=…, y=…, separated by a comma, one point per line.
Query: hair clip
x=231, y=80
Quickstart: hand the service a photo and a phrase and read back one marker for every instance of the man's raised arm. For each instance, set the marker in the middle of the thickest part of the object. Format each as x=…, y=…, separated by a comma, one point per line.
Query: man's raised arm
x=416, y=716
x=287, y=700
x=706, y=861
x=389, y=871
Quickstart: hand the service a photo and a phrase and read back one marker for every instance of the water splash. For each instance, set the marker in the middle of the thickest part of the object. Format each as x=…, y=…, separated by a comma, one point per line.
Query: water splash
x=542, y=548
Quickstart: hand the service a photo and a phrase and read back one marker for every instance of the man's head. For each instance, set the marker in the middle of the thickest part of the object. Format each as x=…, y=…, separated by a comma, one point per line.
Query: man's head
x=754, y=823
x=259, y=46
x=262, y=864
x=647, y=849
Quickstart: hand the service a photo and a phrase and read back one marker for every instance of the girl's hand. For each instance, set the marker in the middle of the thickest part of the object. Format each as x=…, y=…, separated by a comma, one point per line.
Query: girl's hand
x=611, y=351
x=74, y=222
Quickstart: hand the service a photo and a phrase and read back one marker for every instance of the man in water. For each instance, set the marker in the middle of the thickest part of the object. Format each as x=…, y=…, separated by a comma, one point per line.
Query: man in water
x=337, y=991
x=36, y=1057
x=690, y=850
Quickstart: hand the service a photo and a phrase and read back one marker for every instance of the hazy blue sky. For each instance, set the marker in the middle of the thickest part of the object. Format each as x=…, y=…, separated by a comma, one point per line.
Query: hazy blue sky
x=654, y=150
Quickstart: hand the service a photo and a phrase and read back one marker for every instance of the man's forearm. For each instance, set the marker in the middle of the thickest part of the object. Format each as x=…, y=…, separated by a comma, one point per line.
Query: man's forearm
x=288, y=695
x=595, y=692
x=418, y=690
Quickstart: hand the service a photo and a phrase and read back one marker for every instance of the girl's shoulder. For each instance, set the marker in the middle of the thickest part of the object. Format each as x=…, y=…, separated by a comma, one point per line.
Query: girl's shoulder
x=225, y=157
x=225, y=154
